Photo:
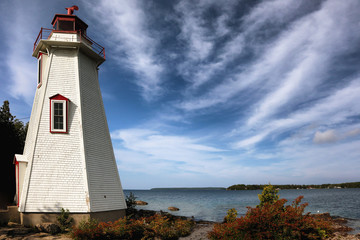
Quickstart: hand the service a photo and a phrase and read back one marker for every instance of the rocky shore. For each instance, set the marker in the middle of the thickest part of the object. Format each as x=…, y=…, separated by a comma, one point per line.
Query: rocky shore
x=341, y=228
x=17, y=232
x=200, y=231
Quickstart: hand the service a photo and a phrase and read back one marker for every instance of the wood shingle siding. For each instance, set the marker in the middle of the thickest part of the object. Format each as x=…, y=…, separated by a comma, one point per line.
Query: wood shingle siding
x=103, y=178
x=74, y=170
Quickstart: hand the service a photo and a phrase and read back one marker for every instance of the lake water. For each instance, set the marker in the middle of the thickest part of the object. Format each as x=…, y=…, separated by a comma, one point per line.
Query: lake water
x=212, y=205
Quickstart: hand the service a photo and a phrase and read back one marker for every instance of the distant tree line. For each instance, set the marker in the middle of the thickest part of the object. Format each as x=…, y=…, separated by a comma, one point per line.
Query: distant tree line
x=12, y=140
x=294, y=186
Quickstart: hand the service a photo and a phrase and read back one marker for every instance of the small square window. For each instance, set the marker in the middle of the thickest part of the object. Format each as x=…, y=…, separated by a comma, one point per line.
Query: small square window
x=64, y=25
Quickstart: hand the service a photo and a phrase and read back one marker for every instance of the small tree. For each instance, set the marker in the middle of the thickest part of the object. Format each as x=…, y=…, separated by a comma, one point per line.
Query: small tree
x=268, y=195
x=231, y=215
x=64, y=219
x=131, y=203
x=12, y=140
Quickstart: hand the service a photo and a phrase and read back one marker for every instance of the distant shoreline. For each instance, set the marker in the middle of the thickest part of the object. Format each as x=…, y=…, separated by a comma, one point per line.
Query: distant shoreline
x=261, y=186
x=295, y=186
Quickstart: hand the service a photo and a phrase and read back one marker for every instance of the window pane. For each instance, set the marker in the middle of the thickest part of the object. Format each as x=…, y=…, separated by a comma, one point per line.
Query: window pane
x=58, y=116
x=66, y=25
x=58, y=122
x=39, y=70
x=58, y=107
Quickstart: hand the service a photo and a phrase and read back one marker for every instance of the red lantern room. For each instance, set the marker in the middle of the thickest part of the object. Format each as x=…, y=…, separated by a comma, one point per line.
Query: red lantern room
x=68, y=29
x=69, y=22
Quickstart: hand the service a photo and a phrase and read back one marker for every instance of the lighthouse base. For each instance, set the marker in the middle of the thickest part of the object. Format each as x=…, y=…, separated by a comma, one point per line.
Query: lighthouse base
x=31, y=219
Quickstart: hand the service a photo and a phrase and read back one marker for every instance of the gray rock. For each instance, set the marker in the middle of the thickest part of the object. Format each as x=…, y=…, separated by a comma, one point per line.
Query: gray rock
x=51, y=228
x=173, y=209
x=138, y=202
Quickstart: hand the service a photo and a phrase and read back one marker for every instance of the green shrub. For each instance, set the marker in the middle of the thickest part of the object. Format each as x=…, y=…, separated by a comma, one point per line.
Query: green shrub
x=273, y=220
x=268, y=195
x=130, y=203
x=231, y=215
x=64, y=219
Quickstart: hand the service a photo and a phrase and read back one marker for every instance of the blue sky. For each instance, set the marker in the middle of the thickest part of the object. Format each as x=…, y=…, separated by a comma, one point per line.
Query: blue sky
x=212, y=93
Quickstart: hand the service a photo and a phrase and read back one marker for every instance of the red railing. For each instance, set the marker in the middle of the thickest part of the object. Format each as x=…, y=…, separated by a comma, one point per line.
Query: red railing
x=45, y=33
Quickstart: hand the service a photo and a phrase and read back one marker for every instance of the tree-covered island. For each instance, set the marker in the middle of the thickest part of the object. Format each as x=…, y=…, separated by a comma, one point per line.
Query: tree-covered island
x=295, y=186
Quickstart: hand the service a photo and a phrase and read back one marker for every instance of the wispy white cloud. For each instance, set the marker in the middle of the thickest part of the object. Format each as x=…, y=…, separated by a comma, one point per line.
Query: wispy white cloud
x=314, y=60
x=257, y=21
x=331, y=136
x=250, y=141
x=153, y=142
x=290, y=66
x=147, y=152
x=127, y=24
x=352, y=133
x=194, y=30
x=335, y=109
x=325, y=137
x=19, y=36
x=288, y=74
x=200, y=37
x=157, y=152
x=322, y=163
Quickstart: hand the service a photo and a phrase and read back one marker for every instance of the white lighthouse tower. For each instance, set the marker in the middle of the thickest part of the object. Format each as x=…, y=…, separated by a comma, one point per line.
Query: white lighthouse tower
x=68, y=160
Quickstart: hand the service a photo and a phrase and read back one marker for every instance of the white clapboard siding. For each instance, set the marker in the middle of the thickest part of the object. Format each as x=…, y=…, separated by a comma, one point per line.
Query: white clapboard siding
x=57, y=175
x=74, y=170
x=34, y=118
x=104, y=184
x=33, y=129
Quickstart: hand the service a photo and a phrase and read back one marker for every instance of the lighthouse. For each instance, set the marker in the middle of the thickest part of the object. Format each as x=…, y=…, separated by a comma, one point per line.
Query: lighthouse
x=68, y=160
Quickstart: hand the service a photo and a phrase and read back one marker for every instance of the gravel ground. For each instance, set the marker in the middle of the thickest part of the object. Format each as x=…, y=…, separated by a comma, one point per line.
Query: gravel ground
x=19, y=232
x=200, y=231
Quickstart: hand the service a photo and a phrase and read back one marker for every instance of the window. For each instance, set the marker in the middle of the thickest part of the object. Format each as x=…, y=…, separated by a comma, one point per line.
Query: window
x=58, y=114
x=39, y=82
x=66, y=25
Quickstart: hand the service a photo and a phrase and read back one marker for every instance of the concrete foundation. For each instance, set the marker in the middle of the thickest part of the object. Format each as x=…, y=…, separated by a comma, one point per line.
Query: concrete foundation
x=10, y=215
x=31, y=219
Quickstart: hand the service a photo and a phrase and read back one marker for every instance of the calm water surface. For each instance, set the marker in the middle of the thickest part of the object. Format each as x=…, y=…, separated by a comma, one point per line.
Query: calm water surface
x=212, y=205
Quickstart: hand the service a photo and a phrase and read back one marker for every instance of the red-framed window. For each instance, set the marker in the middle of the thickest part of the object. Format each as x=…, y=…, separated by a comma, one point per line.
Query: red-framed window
x=40, y=70
x=59, y=114
x=17, y=175
x=64, y=24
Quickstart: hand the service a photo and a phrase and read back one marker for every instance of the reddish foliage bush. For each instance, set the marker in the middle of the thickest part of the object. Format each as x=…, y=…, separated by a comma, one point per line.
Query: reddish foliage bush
x=274, y=221
x=156, y=226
